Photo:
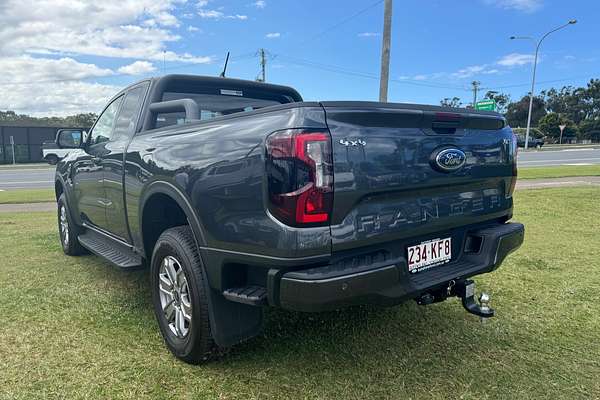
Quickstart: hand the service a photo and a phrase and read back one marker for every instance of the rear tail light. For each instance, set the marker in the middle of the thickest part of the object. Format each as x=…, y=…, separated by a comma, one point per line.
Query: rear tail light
x=300, y=177
x=515, y=151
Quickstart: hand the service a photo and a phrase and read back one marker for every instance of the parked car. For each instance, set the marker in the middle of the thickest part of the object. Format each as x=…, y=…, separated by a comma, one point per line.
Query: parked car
x=239, y=195
x=535, y=143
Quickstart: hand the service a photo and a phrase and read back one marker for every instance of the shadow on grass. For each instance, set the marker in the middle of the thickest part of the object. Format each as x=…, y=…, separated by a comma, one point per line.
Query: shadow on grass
x=359, y=338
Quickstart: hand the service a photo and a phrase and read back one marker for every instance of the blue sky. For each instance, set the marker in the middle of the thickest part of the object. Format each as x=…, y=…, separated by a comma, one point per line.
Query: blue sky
x=325, y=49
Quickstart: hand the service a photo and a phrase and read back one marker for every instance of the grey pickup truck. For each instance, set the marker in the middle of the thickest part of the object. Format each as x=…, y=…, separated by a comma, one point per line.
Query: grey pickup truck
x=239, y=195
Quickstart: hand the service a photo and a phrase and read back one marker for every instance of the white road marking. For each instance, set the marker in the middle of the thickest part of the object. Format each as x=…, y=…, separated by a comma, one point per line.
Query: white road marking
x=579, y=164
x=563, y=160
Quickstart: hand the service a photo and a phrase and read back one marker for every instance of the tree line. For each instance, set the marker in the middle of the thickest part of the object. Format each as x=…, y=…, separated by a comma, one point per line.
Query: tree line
x=85, y=120
x=578, y=108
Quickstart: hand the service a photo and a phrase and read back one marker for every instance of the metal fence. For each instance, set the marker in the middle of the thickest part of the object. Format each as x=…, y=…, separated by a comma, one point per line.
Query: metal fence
x=27, y=142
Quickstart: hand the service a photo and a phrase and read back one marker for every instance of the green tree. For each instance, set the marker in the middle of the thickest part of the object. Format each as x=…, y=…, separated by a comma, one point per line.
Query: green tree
x=592, y=99
x=568, y=101
x=590, y=129
x=71, y=121
x=516, y=113
x=549, y=125
x=451, y=102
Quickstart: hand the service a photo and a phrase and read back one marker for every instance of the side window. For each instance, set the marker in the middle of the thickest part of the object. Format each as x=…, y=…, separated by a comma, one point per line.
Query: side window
x=128, y=116
x=104, y=127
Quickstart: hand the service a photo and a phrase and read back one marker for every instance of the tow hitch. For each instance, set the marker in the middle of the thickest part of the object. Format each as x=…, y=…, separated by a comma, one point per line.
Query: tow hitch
x=466, y=291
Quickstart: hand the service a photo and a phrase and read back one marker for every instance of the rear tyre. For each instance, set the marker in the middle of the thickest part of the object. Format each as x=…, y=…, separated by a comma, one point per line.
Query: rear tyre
x=52, y=159
x=68, y=230
x=179, y=296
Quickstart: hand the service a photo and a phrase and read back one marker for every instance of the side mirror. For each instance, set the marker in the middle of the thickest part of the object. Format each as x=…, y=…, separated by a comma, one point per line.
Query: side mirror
x=69, y=138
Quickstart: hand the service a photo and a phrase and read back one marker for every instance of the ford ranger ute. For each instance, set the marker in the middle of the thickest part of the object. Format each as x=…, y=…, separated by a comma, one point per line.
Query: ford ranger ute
x=239, y=195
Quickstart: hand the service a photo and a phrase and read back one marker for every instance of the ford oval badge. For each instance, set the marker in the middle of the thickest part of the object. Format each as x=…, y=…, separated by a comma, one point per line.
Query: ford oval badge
x=449, y=159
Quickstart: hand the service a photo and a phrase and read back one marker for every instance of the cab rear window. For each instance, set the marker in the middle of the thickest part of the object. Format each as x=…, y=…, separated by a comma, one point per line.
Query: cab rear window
x=216, y=105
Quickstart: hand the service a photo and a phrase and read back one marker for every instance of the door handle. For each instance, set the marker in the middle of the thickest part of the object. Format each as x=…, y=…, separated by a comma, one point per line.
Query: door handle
x=96, y=160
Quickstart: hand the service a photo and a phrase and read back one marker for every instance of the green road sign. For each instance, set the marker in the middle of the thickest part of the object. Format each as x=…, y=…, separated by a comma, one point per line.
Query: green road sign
x=486, y=105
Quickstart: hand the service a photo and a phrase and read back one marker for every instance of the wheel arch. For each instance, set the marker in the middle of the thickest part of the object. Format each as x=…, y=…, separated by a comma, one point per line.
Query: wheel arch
x=230, y=322
x=162, y=190
x=59, y=188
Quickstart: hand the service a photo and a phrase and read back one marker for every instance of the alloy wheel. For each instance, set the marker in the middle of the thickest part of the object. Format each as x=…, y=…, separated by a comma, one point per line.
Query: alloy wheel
x=175, y=299
x=64, y=225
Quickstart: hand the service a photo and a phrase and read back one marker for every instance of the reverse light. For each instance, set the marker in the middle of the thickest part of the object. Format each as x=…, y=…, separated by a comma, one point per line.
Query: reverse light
x=300, y=177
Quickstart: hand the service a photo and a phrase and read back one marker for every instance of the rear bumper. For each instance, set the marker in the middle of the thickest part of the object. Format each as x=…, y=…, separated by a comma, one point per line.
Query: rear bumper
x=330, y=287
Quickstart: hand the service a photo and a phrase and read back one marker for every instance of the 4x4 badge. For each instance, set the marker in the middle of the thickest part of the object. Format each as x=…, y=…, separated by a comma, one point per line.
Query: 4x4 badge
x=353, y=143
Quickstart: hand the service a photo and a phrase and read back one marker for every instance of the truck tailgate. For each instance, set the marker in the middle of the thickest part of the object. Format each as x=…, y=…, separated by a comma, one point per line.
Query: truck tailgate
x=399, y=172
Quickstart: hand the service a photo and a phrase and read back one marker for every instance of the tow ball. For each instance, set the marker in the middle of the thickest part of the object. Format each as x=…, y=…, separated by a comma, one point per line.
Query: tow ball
x=466, y=291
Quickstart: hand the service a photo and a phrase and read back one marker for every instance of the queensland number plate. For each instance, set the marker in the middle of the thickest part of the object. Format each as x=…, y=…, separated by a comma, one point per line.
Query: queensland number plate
x=429, y=254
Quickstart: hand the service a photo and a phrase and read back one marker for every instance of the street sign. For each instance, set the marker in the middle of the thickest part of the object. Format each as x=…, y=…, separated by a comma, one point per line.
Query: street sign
x=486, y=105
x=562, y=129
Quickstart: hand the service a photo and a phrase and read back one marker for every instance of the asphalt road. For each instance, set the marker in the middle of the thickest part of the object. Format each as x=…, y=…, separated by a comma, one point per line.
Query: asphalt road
x=23, y=177
x=26, y=178
x=579, y=156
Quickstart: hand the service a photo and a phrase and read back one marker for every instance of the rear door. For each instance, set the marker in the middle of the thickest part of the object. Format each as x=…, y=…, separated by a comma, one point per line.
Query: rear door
x=113, y=161
x=390, y=180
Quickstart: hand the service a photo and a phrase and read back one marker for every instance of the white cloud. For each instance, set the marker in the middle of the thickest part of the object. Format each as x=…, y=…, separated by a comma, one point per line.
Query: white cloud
x=137, y=68
x=26, y=69
x=527, y=6
x=192, y=28
x=216, y=14
x=213, y=14
x=515, y=59
x=44, y=86
x=273, y=35
x=260, y=4
x=40, y=41
x=57, y=98
x=112, y=28
x=368, y=34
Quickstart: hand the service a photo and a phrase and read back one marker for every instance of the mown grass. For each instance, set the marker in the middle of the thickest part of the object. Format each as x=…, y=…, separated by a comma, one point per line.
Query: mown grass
x=77, y=328
x=26, y=166
x=18, y=196
x=561, y=171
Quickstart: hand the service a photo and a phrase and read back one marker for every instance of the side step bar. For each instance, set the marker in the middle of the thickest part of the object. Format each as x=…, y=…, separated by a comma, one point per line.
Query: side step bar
x=115, y=252
x=251, y=295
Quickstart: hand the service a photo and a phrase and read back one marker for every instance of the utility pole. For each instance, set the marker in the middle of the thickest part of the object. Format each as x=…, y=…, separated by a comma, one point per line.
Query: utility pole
x=475, y=90
x=385, y=51
x=263, y=66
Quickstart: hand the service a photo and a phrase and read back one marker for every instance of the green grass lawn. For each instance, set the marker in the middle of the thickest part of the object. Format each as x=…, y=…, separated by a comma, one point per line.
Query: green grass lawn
x=26, y=196
x=559, y=171
x=77, y=328
x=26, y=166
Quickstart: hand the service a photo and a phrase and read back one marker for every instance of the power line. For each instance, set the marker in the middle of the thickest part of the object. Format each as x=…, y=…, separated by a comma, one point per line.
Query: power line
x=539, y=82
x=346, y=71
x=342, y=22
